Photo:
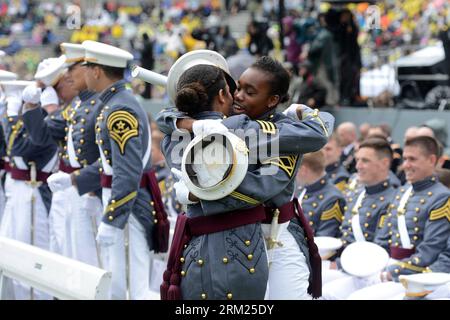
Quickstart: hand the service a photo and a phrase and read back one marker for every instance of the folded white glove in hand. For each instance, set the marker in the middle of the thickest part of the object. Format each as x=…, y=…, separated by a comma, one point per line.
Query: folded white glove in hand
x=181, y=190
x=292, y=111
x=49, y=96
x=31, y=94
x=59, y=181
x=13, y=106
x=107, y=235
x=209, y=126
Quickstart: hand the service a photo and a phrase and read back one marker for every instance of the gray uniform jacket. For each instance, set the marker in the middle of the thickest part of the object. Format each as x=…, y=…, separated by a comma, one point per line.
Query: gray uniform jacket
x=337, y=174
x=442, y=263
x=20, y=148
x=323, y=204
x=79, y=117
x=373, y=208
x=238, y=256
x=122, y=132
x=427, y=222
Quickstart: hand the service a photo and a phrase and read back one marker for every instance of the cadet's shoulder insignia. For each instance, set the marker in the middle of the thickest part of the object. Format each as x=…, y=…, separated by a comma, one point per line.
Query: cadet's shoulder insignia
x=267, y=127
x=341, y=185
x=333, y=213
x=244, y=198
x=286, y=163
x=442, y=212
x=122, y=126
x=381, y=222
x=13, y=135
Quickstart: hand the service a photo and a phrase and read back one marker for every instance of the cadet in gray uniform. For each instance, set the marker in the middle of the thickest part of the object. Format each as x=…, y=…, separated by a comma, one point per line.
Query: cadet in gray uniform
x=365, y=215
x=28, y=203
x=418, y=224
x=322, y=203
x=132, y=225
x=336, y=172
x=313, y=129
x=75, y=211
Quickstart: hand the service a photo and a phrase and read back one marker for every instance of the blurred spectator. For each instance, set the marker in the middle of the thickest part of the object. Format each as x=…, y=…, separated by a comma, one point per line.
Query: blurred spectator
x=147, y=62
x=310, y=92
x=260, y=44
x=324, y=60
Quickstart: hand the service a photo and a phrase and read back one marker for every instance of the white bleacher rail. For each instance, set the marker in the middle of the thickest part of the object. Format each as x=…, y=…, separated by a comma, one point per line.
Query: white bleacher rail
x=59, y=276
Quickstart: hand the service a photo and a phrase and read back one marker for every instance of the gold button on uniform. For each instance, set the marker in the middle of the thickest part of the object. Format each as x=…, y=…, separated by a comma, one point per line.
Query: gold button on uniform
x=225, y=260
x=204, y=296
x=200, y=262
x=183, y=273
x=251, y=270
x=247, y=243
x=249, y=257
x=182, y=260
x=229, y=296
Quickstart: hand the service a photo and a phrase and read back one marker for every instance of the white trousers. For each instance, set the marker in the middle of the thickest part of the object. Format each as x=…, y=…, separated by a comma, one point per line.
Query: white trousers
x=116, y=259
x=16, y=224
x=288, y=270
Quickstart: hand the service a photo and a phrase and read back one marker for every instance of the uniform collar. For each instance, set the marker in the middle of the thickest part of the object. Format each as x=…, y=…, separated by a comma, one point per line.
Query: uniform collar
x=332, y=167
x=425, y=183
x=109, y=92
x=208, y=115
x=376, y=188
x=269, y=115
x=85, y=95
x=319, y=184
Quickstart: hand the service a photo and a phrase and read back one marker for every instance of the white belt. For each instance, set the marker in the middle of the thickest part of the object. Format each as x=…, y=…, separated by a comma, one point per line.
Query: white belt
x=401, y=221
x=71, y=150
x=356, y=225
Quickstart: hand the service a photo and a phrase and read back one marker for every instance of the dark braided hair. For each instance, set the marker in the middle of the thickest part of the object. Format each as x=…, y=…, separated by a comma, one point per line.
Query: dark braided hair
x=280, y=79
x=197, y=88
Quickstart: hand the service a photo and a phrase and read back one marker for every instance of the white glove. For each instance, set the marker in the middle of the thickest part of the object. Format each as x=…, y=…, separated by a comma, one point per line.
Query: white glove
x=13, y=106
x=107, y=235
x=209, y=126
x=49, y=96
x=292, y=113
x=181, y=190
x=59, y=181
x=31, y=94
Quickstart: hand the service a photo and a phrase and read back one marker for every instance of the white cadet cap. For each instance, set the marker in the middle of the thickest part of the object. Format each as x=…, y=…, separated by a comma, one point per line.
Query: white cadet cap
x=363, y=258
x=7, y=75
x=213, y=166
x=421, y=284
x=11, y=87
x=194, y=58
x=51, y=70
x=74, y=52
x=327, y=246
x=106, y=55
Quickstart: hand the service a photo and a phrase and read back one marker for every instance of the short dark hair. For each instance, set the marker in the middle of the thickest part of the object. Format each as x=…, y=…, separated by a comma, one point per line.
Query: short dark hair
x=110, y=72
x=428, y=144
x=380, y=145
x=197, y=88
x=280, y=78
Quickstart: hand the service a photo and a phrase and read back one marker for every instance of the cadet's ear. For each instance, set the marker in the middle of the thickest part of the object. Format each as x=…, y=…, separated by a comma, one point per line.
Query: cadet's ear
x=273, y=101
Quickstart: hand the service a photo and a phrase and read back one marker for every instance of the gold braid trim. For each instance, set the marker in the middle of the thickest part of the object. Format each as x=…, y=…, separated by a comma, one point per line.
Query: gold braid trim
x=115, y=204
x=244, y=198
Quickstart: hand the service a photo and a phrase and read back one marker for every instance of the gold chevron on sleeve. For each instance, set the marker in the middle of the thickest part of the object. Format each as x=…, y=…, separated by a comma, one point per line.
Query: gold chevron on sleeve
x=244, y=198
x=122, y=126
x=267, y=127
x=382, y=220
x=333, y=213
x=341, y=185
x=442, y=212
x=410, y=266
x=115, y=204
x=286, y=163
